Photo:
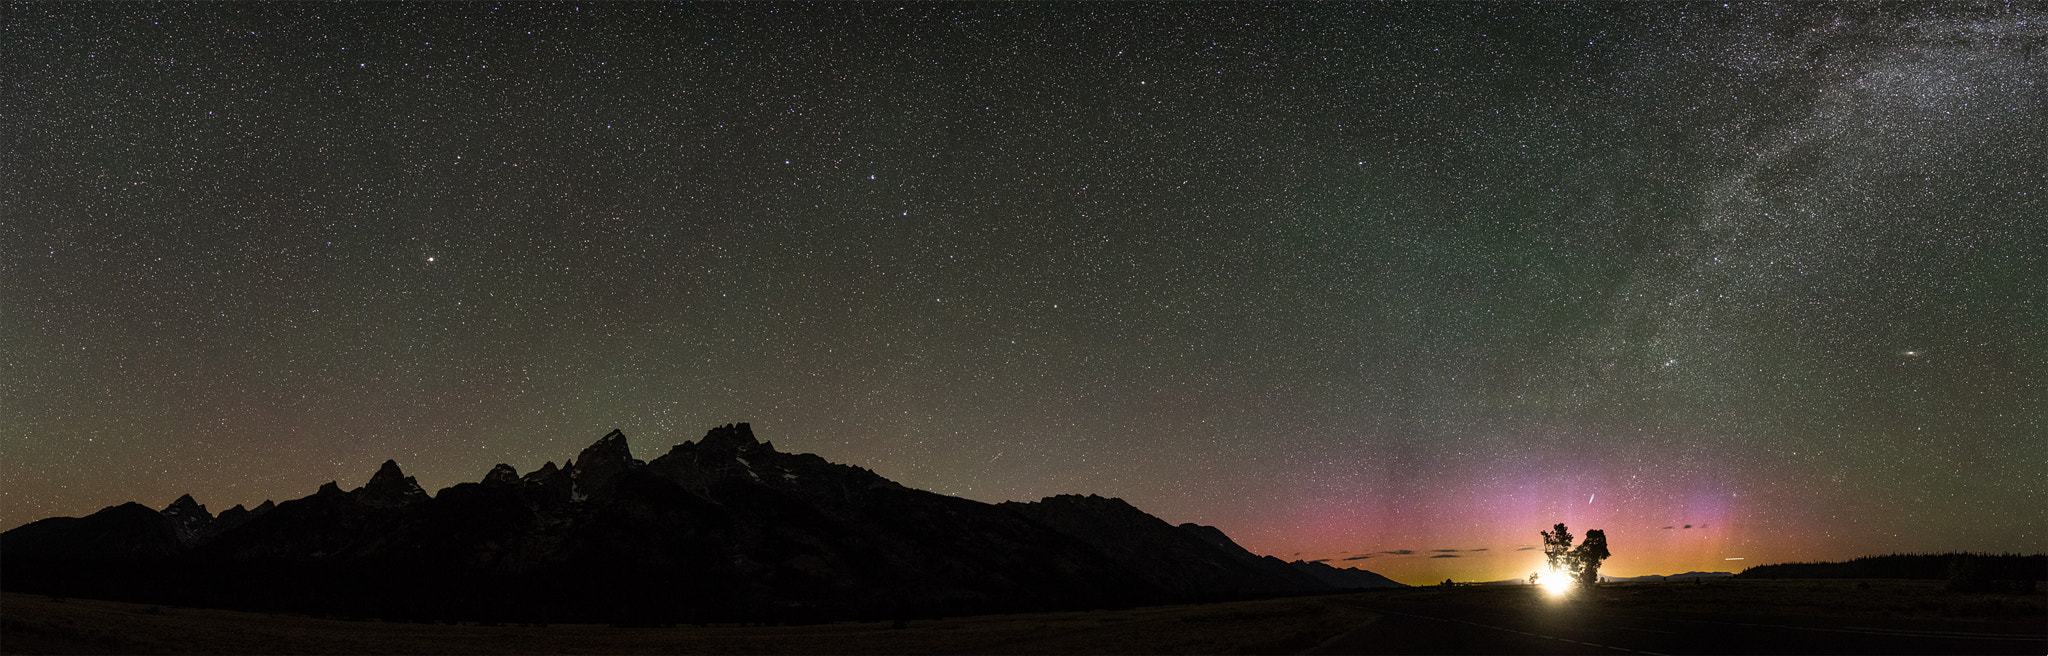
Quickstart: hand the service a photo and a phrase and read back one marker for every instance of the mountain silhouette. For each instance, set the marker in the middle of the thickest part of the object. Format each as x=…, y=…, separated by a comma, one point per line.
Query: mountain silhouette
x=725, y=528
x=389, y=488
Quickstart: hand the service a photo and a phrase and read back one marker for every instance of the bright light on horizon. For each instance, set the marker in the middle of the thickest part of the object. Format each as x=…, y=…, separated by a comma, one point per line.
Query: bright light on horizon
x=1554, y=583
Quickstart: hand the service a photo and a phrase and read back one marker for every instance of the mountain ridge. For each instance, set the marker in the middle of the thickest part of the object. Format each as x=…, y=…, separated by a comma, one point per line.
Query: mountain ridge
x=721, y=527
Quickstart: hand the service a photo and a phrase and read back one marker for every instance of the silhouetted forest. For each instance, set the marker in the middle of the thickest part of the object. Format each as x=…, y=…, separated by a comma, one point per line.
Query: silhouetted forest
x=1964, y=571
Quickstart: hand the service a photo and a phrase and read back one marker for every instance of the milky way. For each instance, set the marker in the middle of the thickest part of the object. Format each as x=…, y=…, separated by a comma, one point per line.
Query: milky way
x=1393, y=286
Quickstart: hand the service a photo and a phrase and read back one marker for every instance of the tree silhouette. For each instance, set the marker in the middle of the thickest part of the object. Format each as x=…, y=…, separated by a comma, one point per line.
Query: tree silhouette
x=1557, y=548
x=1582, y=563
x=1589, y=554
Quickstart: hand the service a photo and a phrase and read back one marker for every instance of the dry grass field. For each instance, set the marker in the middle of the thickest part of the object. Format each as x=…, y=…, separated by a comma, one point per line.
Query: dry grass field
x=37, y=624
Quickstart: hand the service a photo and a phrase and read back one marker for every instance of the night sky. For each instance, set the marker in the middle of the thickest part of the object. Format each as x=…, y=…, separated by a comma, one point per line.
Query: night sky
x=1394, y=286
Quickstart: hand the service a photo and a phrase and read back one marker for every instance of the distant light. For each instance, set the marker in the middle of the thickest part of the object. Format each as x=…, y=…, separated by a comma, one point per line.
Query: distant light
x=1556, y=584
x=1731, y=559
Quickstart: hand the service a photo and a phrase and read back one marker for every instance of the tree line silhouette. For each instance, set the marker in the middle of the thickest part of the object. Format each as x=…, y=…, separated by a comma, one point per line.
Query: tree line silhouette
x=1965, y=572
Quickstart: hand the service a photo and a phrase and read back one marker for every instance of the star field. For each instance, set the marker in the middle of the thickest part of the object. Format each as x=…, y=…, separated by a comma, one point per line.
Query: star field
x=1346, y=281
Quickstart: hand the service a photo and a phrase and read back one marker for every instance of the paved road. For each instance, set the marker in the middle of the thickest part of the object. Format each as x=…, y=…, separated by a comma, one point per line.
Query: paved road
x=1405, y=628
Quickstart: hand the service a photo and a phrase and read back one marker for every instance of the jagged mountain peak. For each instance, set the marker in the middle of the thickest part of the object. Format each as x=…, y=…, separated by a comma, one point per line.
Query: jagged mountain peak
x=547, y=472
x=387, y=473
x=731, y=452
x=188, y=518
x=186, y=504
x=610, y=448
x=390, y=487
x=229, y=520
x=599, y=462
x=502, y=474
x=727, y=451
x=738, y=436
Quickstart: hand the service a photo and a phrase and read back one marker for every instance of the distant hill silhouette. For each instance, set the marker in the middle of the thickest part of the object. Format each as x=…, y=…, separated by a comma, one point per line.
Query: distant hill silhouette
x=1663, y=578
x=1687, y=577
x=726, y=528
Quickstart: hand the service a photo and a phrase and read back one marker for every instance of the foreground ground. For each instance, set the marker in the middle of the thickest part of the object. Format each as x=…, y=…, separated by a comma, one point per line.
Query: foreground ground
x=1721, y=617
x=1718, y=617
